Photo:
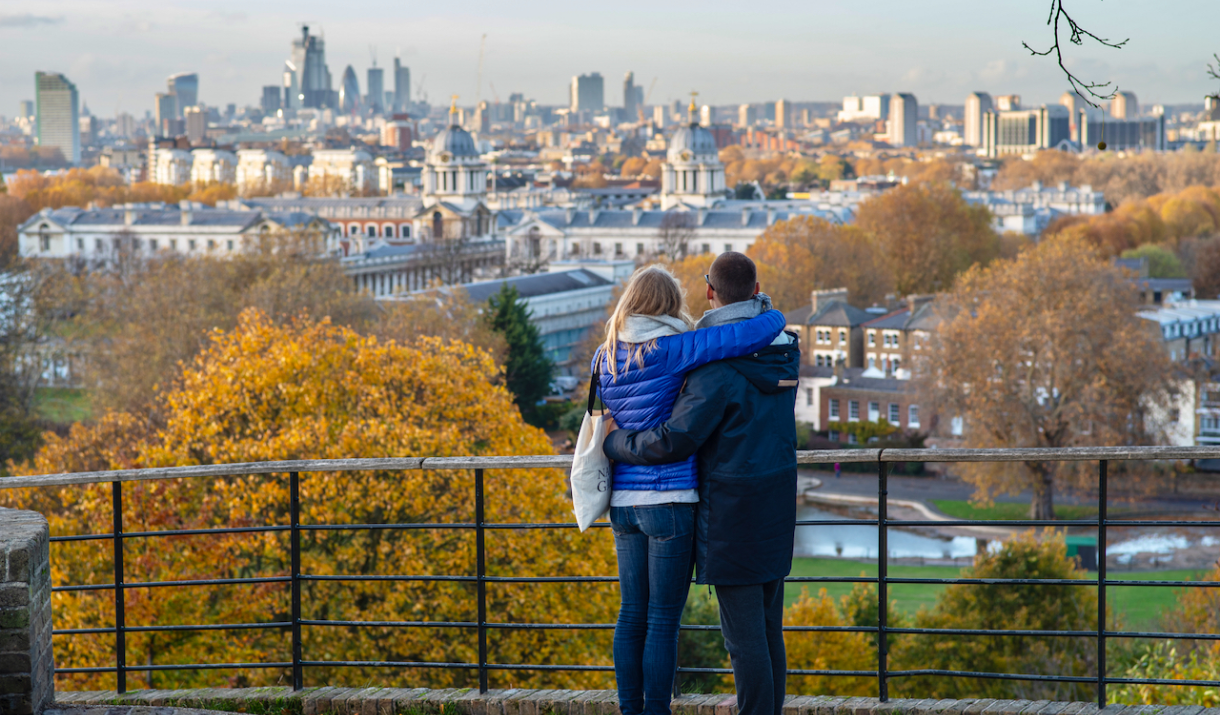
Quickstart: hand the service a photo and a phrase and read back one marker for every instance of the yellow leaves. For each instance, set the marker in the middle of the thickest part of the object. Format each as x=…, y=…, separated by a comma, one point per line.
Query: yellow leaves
x=312, y=390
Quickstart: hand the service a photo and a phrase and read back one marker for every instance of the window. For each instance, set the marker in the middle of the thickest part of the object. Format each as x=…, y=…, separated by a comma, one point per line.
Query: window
x=817, y=360
x=842, y=336
x=853, y=410
x=80, y=244
x=597, y=248
x=894, y=417
x=353, y=230
x=872, y=361
x=406, y=230
x=832, y=435
x=956, y=426
x=1175, y=415
x=639, y=249
x=371, y=231
x=190, y=244
x=707, y=248
x=173, y=244
x=387, y=231
x=618, y=249
x=98, y=245
x=118, y=244
x=728, y=247
x=872, y=339
x=809, y=397
x=153, y=244
x=229, y=245
x=874, y=411
x=913, y=416
x=44, y=242
x=211, y=245
x=135, y=244
x=851, y=438
x=834, y=409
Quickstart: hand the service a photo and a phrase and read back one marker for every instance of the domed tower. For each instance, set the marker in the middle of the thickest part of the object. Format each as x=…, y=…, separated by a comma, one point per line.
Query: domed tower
x=692, y=173
x=454, y=172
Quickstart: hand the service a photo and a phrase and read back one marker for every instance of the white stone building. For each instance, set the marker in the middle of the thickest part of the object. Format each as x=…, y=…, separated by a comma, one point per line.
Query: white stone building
x=213, y=165
x=170, y=166
x=259, y=168
x=353, y=169
x=98, y=235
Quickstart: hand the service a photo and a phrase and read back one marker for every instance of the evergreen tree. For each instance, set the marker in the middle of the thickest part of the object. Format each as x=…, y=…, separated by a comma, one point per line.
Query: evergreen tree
x=527, y=368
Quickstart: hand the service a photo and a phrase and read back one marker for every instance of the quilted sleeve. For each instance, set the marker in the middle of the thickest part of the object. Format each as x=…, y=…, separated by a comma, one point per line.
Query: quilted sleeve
x=691, y=349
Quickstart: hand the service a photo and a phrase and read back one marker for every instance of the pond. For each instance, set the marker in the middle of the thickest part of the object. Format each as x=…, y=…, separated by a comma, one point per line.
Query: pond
x=860, y=542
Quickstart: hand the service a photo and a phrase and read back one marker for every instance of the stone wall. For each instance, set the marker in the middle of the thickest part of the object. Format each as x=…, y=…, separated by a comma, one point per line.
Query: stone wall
x=27, y=669
x=420, y=701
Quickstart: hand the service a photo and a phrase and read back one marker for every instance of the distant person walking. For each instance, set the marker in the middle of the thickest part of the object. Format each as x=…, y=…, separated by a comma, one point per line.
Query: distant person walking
x=737, y=416
x=649, y=349
x=838, y=470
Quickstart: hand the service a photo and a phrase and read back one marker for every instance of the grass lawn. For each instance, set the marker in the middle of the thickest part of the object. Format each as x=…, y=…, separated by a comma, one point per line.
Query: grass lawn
x=960, y=509
x=1137, y=606
x=62, y=405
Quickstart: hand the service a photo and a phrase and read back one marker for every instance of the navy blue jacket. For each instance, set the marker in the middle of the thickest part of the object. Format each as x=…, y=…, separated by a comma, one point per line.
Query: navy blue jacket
x=642, y=398
x=737, y=416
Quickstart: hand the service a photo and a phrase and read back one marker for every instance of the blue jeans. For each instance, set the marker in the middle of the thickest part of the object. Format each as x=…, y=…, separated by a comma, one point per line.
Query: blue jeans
x=655, y=549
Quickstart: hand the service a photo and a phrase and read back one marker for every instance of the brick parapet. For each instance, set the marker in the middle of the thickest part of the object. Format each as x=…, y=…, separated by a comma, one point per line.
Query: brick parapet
x=420, y=701
x=27, y=669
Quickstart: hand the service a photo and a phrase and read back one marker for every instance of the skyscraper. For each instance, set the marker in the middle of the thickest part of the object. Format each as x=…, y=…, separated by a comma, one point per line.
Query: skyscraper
x=57, y=108
x=402, y=87
x=196, y=125
x=1075, y=104
x=376, y=87
x=165, y=112
x=271, y=99
x=588, y=93
x=184, y=86
x=306, y=76
x=26, y=109
x=349, y=92
x=629, y=104
x=782, y=110
x=1124, y=106
x=904, y=120
x=977, y=104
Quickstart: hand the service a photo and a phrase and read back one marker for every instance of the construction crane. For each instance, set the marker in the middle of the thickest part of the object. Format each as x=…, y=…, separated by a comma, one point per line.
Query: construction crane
x=494, y=93
x=478, y=90
x=647, y=96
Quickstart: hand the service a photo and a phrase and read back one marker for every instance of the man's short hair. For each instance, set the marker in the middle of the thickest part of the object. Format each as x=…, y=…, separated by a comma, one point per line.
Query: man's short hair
x=733, y=277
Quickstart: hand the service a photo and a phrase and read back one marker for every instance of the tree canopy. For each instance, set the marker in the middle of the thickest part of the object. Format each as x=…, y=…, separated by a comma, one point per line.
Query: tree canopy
x=527, y=369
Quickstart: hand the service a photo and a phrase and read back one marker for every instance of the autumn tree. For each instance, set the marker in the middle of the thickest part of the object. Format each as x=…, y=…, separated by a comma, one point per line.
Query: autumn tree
x=312, y=390
x=807, y=253
x=1162, y=263
x=675, y=234
x=446, y=314
x=632, y=167
x=13, y=212
x=1019, y=607
x=1044, y=350
x=1049, y=167
x=527, y=368
x=928, y=234
x=1205, y=268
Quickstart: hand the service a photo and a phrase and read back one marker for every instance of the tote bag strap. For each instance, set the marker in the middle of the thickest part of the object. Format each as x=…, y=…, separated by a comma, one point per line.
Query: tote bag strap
x=593, y=379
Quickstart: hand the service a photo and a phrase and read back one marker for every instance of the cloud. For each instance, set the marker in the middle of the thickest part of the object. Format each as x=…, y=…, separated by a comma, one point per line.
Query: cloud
x=28, y=20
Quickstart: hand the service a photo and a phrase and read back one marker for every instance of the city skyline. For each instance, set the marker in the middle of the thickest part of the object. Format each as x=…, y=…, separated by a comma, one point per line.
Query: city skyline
x=119, y=54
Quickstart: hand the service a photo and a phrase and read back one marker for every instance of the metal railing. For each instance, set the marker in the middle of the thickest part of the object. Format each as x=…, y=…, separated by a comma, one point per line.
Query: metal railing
x=882, y=458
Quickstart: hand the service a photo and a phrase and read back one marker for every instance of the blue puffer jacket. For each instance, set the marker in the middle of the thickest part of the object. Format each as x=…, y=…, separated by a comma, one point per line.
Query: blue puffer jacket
x=643, y=398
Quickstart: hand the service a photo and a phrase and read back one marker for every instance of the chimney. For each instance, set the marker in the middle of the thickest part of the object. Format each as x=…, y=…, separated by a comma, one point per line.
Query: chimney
x=702, y=215
x=129, y=216
x=915, y=302
x=568, y=215
x=770, y=215
x=839, y=369
x=822, y=298
x=636, y=213
x=592, y=216
x=745, y=216
x=185, y=207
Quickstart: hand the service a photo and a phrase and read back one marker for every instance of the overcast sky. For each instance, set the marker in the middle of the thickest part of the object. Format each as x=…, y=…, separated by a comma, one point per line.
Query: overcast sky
x=119, y=52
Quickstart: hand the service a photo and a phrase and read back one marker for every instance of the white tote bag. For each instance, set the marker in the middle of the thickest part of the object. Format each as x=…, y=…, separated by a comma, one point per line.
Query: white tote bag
x=590, y=466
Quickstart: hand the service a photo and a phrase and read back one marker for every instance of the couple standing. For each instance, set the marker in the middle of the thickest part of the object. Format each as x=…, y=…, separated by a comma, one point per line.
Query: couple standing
x=704, y=474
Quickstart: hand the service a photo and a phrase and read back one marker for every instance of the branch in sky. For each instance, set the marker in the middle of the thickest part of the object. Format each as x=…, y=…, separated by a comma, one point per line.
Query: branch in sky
x=1076, y=35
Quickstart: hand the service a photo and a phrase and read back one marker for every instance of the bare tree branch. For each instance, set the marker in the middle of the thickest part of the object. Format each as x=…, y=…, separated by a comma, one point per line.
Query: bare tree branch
x=1076, y=35
x=1213, y=71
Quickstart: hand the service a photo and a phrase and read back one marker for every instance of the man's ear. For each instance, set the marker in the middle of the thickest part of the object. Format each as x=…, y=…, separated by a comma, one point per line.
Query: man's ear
x=710, y=293
x=756, y=290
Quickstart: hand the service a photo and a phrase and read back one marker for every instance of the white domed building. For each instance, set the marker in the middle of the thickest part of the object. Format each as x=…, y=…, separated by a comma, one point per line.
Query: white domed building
x=692, y=174
x=454, y=188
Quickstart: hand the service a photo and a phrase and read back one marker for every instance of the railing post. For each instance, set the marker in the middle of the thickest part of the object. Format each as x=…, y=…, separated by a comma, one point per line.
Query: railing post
x=1102, y=469
x=481, y=573
x=294, y=539
x=883, y=557
x=120, y=626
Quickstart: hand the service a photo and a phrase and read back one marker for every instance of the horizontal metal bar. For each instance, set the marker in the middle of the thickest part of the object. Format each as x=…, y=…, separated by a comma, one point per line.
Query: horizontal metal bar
x=586, y=668
x=1161, y=681
x=393, y=624
x=1002, y=581
x=208, y=582
x=791, y=671
x=87, y=587
x=1183, y=636
x=81, y=537
x=195, y=532
x=551, y=579
x=995, y=676
x=1153, y=522
x=1166, y=584
x=156, y=629
x=67, y=671
x=341, y=577
x=208, y=666
x=832, y=579
x=989, y=632
x=383, y=527
x=554, y=525
x=565, y=462
x=386, y=664
x=997, y=522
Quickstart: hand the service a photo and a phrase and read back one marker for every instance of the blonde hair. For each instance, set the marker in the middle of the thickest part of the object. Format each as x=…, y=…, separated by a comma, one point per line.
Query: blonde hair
x=652, y=290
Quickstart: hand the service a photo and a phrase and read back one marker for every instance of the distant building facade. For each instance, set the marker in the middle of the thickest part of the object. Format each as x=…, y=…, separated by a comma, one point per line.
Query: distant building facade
x=903, y=127
x=978, y=104
x=57, y=112
x=1024, y=131
x=588, y=93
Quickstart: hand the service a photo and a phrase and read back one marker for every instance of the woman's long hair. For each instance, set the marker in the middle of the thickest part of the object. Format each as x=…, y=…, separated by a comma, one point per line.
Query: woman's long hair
x=652, y=290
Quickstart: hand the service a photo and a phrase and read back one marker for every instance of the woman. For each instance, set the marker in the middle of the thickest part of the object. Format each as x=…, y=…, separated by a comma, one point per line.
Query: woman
x=652, y=508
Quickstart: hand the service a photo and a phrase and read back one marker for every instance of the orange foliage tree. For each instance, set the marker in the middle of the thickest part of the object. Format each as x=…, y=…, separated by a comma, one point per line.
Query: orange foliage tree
x=106, y=187
x=311, y=390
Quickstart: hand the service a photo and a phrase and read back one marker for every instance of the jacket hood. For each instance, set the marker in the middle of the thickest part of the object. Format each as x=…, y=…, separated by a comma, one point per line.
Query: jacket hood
x=772, y=369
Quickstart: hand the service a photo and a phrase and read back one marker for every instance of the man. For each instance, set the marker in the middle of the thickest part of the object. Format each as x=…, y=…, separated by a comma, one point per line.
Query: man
x=738, y=416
